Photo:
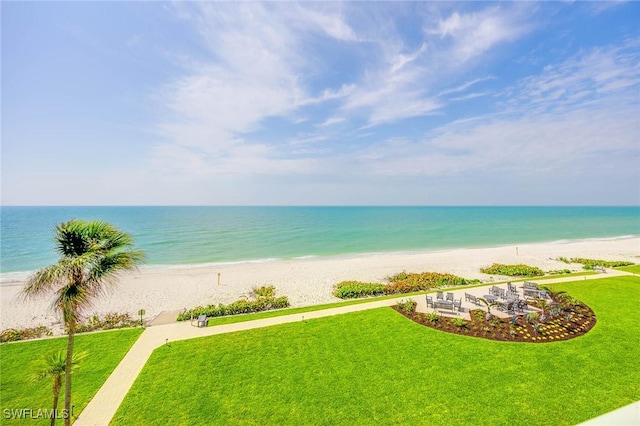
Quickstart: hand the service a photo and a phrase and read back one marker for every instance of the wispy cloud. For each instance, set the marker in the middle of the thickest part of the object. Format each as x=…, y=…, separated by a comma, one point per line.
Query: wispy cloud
x=539, y=133
x=256, y=69
x=471, y=34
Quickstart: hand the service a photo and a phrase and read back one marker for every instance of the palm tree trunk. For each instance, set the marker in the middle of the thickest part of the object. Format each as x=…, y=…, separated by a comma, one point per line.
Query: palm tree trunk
x=67, y=375
x=57, y=383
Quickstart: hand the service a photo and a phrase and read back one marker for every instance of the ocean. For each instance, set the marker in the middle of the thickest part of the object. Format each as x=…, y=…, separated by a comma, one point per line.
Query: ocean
x=196, y=235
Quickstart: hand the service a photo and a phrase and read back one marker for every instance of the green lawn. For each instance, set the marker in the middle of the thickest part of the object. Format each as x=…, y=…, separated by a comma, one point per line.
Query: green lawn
x=378, y=367
x=106, y=349
x=635, y=269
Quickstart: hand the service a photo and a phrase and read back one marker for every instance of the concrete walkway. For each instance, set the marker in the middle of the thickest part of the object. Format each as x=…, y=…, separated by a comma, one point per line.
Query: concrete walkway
x=625, y=416
x=105, y=403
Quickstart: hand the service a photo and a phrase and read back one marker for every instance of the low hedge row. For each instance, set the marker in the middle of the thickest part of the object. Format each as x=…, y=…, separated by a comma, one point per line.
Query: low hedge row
x=591, y=263
x=14, y=334
x=355, y=289
x=241, y=306
x=398, y=284
x=410, y=282
x=110, y=321
x=513, y=270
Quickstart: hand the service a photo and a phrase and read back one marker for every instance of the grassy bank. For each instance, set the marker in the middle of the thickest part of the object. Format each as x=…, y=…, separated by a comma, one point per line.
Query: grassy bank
x=378, y=367
x=106, y=349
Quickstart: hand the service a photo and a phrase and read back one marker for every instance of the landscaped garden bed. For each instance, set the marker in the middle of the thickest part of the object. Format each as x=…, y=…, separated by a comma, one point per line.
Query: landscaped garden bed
x=399, y=284
x=563, y=319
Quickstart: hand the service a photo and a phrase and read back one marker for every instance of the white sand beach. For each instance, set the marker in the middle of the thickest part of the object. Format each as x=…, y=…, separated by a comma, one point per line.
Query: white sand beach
x=305, y=281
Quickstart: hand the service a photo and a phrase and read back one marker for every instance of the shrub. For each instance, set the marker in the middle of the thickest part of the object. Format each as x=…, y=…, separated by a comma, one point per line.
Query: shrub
x=265, y=291
x=108, y=322
x=460, y=322
x=240, y=306
x=408, y=306
x=432, y=317
x=478, y=314
x=512, y=270
x=355, y=289
x=559, y=271
x=398, y=284
x=13, y=334
x=591, y=263
x=407, y=283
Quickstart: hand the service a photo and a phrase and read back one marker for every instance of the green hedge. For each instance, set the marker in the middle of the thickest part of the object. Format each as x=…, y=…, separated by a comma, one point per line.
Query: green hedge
x=108, y=322
x=398, y=284
x=241, y=306
x=410, y=282
x=355, y=289
x=591, y=263
x=14, y=334
x=513, y=270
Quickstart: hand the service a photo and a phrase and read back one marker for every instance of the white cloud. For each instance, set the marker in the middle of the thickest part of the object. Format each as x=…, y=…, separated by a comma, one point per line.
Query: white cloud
x=332, y=120
x=472, y=34
x=252, y=72
x=585, y=77
x=558, y=123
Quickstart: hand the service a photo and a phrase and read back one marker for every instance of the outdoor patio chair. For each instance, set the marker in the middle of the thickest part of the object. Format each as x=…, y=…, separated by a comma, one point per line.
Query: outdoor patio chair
x=511, y=288
x=450, y=296
x=439, y=295
x=429, y=301
x=457, y=305
x=202, y=321
x=473, y=299
x=521, y=305
x=501, y=306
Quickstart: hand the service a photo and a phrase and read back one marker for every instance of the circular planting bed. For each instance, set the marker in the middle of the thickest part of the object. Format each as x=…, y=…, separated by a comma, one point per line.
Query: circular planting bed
x=563, y=318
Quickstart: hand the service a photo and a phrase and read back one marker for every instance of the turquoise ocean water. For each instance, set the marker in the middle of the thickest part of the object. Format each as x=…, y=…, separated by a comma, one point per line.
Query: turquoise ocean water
x=195, y=235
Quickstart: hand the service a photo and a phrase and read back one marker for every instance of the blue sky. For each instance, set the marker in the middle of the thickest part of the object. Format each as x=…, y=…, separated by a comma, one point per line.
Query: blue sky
x=445, y=103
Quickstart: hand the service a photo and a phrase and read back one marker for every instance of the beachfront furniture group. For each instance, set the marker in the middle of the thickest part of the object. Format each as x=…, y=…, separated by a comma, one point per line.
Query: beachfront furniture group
x=508, y=300
x=446, y=302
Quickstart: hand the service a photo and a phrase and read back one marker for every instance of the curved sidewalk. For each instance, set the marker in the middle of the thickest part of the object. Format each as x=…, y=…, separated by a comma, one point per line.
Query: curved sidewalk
x=105, y=403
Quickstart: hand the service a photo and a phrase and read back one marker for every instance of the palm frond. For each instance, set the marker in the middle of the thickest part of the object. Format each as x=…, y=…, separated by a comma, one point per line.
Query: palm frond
x=54, y=364
x=45, y=280
x=70, y=239
x=72, y=300
x=91, y=256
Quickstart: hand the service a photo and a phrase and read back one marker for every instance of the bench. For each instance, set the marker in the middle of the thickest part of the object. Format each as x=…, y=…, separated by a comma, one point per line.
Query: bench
x=202, y=321
x=443, y=305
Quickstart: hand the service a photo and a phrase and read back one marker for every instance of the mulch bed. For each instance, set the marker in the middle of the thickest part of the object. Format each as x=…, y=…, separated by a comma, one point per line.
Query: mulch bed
x=561, y=321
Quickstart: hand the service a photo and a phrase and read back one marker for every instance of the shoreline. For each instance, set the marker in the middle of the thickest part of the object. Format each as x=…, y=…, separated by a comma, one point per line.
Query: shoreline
x=305, y=281
x=9, y=278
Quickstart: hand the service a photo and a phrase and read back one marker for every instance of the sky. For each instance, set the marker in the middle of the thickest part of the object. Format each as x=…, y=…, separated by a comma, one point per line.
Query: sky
x=320, y=103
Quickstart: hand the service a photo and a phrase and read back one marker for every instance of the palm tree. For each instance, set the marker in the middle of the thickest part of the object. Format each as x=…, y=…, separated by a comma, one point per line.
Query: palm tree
x=489, y=304
x=91, y=256
x=555, y=295
x=53, y=365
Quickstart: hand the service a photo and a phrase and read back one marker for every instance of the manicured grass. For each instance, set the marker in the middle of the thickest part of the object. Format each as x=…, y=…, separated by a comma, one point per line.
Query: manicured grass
x=635, y=269
x=106, y=350
x=376, y=367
